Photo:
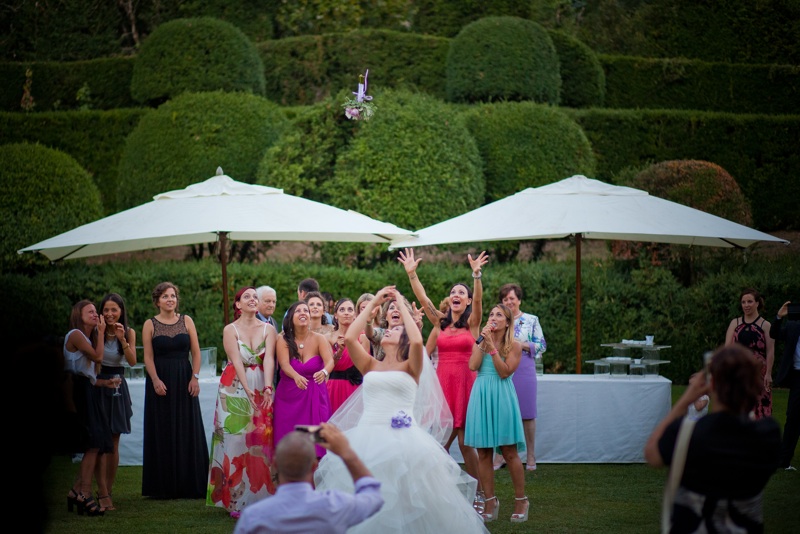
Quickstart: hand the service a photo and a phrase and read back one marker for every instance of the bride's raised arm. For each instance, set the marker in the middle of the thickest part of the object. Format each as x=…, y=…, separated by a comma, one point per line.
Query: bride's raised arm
x=360, y=356
x=414, y=336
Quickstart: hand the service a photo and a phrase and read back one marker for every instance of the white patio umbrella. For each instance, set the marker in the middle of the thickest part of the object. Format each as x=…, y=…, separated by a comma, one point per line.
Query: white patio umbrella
x=219, y=208
x=587, y=209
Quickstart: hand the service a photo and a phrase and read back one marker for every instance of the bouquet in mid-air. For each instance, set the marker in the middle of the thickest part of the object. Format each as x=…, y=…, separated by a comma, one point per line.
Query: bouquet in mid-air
x=361, y=107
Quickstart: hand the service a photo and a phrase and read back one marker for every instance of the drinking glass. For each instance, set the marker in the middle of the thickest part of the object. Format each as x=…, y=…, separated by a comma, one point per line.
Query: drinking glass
x=116, y=388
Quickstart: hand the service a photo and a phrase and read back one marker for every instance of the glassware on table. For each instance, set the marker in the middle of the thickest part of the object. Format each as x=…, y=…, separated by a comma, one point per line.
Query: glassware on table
x=116, y=388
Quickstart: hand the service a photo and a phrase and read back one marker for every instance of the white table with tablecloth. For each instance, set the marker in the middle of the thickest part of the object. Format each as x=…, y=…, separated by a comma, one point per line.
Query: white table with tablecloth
x=582, y=418
x=130, y=445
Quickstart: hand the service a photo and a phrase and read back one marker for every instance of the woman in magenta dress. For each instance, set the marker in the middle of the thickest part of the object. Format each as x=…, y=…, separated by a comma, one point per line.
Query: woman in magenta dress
x=305, y=361
x=345, y=377
x=752, y=331
x=459, y=328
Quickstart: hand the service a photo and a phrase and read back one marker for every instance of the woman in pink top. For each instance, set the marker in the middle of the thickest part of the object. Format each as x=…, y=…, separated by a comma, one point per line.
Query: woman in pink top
x=459, y=327
x=345, y=377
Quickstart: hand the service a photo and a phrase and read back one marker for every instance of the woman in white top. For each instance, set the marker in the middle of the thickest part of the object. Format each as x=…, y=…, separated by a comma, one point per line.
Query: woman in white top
x=83, y=351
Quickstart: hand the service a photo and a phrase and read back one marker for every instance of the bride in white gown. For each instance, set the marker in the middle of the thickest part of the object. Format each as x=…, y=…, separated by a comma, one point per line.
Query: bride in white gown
x=423, y=488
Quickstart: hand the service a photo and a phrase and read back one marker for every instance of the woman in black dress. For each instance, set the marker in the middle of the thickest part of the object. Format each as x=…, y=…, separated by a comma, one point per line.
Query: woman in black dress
x=175, y=460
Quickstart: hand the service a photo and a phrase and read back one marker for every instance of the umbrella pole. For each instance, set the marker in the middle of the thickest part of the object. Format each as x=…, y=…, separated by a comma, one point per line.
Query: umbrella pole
x=223, y=260
x=578, y=299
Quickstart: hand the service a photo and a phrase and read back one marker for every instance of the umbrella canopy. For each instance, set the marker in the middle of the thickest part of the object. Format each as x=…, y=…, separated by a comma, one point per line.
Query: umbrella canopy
x=590, y=209
x=219, y=208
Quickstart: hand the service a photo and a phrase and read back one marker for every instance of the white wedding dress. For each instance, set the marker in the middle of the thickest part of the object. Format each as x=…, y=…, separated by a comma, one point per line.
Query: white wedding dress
x=423, y=488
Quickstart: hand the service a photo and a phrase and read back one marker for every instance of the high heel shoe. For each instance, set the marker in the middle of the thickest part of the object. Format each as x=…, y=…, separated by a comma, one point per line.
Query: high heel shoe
x=521, y=518
x=491, y=517
x=480, y=502
x=100, y=500
x=89, y=505
x=72, y=499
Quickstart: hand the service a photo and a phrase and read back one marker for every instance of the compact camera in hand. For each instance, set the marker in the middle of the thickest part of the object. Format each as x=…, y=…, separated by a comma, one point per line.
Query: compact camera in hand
x=313, y=431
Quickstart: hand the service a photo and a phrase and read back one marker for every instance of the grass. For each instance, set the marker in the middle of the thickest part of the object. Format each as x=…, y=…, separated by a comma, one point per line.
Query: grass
x=568, y=498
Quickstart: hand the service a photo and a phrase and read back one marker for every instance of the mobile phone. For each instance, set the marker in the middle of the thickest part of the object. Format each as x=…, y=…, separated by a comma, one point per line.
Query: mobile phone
x=794, y=312
x=707, y=365
x=313, y=431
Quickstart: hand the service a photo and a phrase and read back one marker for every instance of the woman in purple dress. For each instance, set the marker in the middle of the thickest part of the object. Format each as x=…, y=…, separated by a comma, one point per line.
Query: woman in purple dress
x=306, y=360
x=527, y=331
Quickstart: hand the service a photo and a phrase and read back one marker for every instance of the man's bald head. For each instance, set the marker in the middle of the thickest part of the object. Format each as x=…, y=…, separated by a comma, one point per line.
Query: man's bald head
x=295, y=457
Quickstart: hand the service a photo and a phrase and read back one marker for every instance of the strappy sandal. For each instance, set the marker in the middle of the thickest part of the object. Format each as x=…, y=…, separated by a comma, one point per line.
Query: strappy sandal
x=72, y=499
x=89, y=506
x=521, y=518
x=108, y=508
x=495, y=511
x=480, y=502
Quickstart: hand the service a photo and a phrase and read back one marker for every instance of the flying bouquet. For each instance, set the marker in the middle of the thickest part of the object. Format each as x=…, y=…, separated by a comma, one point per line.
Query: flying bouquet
x=360, y=108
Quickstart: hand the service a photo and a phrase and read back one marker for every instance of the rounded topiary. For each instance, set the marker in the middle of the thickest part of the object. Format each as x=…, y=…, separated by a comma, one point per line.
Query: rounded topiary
x=43, y=193
x=698, y=184
x=185, y=140
x=196, y=55
x=503, y=58
x=413, y=164
x=583, y=82
x=523, y=144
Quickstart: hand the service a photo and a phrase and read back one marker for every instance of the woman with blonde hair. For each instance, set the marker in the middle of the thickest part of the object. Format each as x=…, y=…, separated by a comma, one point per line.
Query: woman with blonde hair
x=493, y=416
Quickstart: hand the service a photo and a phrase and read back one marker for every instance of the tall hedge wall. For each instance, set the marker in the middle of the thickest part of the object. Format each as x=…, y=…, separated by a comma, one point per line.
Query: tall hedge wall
x=619, y=302
x=760, y=151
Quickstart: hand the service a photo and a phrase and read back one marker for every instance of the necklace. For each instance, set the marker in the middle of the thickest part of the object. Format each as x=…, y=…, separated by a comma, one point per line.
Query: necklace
x=302, y=345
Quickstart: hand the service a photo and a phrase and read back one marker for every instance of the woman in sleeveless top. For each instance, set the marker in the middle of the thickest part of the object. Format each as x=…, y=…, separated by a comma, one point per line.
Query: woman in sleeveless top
x=241, y=445
x=119, y=350
x=83, y=351
x=752, y=331
x=305, y=361
x=494, y=421
x=459, y=328
x=345, y=377
x=175, y=450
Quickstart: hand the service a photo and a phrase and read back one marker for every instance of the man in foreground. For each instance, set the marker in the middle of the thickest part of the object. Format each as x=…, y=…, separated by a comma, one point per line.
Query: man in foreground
x=296, y=507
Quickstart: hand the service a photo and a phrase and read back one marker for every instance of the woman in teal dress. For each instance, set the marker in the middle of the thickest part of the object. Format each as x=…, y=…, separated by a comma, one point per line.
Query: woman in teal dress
x=493, y=416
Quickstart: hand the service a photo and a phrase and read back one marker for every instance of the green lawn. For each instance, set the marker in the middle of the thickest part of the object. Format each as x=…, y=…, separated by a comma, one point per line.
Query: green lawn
x=569, y=498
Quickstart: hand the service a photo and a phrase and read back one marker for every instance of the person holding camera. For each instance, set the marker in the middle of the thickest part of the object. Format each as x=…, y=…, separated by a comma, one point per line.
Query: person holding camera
x=787, y=329
x=729, y=457
x=296, y=506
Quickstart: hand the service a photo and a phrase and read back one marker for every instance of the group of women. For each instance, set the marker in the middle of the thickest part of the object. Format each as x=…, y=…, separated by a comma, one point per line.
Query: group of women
x=311, y=372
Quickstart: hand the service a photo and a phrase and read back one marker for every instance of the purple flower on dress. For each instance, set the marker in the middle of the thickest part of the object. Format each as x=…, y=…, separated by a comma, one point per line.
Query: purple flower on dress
x=401, y=420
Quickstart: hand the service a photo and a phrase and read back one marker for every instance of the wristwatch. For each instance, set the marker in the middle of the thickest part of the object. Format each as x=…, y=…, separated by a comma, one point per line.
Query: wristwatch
x=197, y=376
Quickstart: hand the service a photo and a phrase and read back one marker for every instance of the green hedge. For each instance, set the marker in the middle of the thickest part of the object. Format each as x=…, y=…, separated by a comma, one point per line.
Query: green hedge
x=583, y=82
x=760, y=151
x=94, y=138
x=56, y=86
x=619, y=302
x=635, y=82
x=304, y=70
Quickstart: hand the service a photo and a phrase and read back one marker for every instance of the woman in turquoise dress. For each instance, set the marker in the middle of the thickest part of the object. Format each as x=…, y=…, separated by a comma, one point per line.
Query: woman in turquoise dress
x=493, y=416
x=241, y=445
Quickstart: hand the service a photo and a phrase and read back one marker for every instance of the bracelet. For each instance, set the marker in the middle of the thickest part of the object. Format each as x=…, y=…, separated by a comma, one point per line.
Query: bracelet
x=325, y=373
x=492, y=353
x=480, y=273
x=412, y=276
x=268, y=388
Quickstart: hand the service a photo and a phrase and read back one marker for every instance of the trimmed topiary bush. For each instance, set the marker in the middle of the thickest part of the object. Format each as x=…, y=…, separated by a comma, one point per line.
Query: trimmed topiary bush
x=43, y=192
x=503, y=58
x=523, y=144
x=186, y=139
x=196, y=55
x=583, y=82
x=413, y=164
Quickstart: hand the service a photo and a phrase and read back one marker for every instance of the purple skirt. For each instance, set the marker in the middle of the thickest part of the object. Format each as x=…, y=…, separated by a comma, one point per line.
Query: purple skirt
x=525, y=383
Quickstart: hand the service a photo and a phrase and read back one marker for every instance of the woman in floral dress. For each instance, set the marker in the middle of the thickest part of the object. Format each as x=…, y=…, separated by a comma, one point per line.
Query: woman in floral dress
x=242, y=445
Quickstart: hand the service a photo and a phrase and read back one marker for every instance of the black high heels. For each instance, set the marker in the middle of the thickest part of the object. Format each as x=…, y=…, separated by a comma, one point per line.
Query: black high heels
x=89, y=506
x=72, y=500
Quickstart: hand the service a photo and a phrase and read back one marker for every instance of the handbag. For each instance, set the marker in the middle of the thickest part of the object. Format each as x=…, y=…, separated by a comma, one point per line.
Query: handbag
x=676, y=471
